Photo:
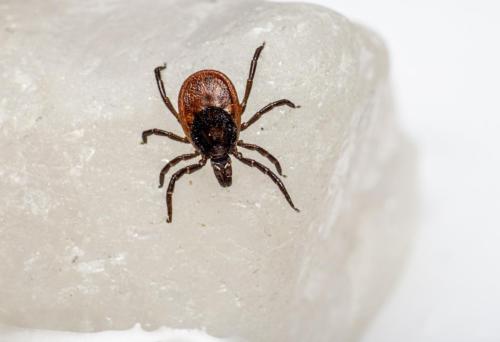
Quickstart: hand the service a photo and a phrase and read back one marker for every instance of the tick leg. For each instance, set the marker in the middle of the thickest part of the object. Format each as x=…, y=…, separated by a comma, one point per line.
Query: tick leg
x=156, y=131
x=174, y=162
x=265, y=170
x=188, y=169
x=161, y=88
x=251, y=74
x=263, y=152
x=266, y=109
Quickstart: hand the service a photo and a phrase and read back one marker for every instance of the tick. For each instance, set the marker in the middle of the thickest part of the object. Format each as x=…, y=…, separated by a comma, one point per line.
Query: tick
x=210, y=116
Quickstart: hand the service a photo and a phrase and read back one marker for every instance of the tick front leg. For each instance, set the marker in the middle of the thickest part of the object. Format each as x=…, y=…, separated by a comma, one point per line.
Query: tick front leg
x=156, y=131
x=171, y=185
x=251, y=74
x=256, y=116
x=262, y=152
x=163, y=93
x=174, y=162
x=265, y=170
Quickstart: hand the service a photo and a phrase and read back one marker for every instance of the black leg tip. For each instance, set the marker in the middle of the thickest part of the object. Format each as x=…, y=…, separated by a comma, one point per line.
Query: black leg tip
x=169, y=220
x=296, y=209
x=161, y=67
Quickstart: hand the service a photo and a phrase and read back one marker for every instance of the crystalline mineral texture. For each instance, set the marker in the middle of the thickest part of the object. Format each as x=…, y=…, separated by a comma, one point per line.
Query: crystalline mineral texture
x=83, y=239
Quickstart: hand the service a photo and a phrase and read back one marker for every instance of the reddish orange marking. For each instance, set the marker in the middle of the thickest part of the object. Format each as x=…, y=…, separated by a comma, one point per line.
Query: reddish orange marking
x=207, y=88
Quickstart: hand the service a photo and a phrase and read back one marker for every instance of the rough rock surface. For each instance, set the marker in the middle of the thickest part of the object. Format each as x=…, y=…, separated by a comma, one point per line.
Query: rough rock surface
x=84, y=244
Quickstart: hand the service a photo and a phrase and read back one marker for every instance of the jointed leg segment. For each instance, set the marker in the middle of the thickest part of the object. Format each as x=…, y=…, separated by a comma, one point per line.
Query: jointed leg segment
x=262, y=152
x=266, y=109
x=161, y=88
x=251, y=74
x=156, y=131
x=174, y=162
x=265, y=170
x=188, y=169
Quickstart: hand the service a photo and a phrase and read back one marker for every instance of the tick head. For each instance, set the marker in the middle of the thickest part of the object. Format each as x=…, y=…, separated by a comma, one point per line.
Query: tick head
x=222, y=170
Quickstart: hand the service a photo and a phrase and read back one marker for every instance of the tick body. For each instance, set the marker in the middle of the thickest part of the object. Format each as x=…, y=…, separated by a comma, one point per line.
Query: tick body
x=210, y=115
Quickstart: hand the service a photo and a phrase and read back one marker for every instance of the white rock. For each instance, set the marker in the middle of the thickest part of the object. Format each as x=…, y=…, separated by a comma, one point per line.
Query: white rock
x=84, y=244
x=136, y=334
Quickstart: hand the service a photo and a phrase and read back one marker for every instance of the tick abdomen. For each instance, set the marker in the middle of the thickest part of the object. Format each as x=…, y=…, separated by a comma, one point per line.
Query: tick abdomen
x=207, y=88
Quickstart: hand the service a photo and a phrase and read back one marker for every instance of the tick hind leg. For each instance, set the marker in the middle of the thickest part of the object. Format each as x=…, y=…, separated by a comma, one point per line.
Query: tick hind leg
x=263, y=153
x=265, y=170
x=156, y=131
x=171, y=185
x=163, y=93
x=174, y=162
x=251, y=74
x=256, y=116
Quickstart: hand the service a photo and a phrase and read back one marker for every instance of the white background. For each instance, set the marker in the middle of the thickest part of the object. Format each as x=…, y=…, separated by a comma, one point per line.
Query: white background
x=446, y=71
x=445, y=59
